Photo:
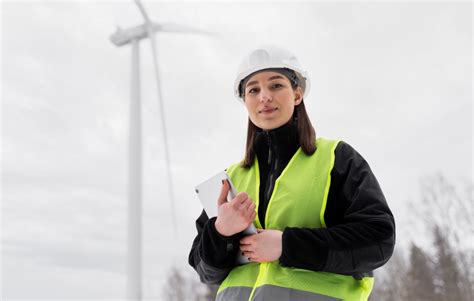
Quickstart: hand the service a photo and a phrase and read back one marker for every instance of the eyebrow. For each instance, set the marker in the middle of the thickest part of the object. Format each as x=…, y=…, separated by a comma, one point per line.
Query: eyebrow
x=271, y=78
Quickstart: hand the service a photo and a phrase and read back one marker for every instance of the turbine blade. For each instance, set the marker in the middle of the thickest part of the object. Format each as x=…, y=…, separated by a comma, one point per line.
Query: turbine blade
x=151, y=35
x=177, y=28
x=142, y=10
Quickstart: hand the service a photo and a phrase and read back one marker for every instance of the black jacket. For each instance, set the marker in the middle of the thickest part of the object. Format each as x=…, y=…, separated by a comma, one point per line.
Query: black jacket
x=360, y=232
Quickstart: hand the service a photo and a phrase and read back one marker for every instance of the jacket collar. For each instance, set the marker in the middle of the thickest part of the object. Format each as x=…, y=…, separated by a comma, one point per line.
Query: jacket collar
x=283, y=141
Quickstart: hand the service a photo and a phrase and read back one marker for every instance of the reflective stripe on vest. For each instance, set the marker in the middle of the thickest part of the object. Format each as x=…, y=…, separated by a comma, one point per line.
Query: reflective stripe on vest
x=270, y=292
x=298, y=200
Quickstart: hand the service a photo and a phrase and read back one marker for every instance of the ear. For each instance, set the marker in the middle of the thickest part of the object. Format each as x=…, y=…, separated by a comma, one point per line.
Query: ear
x=298, y=96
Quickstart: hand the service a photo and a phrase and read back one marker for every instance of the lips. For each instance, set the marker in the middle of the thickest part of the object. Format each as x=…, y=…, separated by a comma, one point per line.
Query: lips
x=268, y=110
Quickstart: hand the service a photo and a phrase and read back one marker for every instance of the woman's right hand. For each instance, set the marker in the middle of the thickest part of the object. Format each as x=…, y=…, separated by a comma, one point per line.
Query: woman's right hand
x=234, y=216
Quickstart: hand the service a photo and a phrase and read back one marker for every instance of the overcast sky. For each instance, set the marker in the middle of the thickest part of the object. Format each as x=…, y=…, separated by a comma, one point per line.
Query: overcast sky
x=394, y=80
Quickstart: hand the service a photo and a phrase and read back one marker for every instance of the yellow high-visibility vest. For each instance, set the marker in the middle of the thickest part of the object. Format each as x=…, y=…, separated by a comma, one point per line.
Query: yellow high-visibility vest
x=298, y=200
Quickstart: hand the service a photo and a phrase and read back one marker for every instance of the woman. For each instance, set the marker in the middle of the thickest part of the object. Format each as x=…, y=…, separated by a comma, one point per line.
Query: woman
x=323, y=221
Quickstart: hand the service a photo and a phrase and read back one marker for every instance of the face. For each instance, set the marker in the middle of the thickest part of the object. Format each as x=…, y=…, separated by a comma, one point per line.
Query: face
x=270, y=99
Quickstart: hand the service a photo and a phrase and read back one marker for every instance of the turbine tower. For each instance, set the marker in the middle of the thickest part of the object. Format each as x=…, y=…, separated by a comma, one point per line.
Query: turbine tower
x=133, y=36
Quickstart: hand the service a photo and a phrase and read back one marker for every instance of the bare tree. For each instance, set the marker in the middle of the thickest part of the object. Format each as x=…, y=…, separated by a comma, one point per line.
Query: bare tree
x=181, y=287
x=446, y=206
x=445, y=270
x=390, y=279
x=175, y=289
x=447, y=273
x=419, y=278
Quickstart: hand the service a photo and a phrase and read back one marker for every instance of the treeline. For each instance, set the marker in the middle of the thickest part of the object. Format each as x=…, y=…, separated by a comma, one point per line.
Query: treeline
x=439, y=274
x=182, y=288
x=436, y=266
x=442, y=270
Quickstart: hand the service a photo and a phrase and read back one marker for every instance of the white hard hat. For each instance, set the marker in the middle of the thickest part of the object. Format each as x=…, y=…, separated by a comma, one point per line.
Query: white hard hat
x=270, y=57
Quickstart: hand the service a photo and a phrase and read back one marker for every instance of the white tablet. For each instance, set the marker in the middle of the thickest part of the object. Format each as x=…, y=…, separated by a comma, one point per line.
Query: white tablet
x=208, y=193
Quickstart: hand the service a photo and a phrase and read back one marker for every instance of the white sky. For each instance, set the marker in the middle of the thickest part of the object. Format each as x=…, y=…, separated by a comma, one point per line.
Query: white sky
x=394, y=80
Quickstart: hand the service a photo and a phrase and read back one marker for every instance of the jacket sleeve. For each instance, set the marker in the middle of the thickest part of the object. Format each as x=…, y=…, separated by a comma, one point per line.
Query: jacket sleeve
x=360, y=228
x=212, y=255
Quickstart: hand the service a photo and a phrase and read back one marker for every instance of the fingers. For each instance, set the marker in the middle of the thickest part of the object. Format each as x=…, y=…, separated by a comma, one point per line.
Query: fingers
x=242, y=202
x=253, y=215
x=247, y=240
x=250, y=255
x=247, y=248
x=247, y=210
x=224, y=192
x=251, y=208
x=240, y=199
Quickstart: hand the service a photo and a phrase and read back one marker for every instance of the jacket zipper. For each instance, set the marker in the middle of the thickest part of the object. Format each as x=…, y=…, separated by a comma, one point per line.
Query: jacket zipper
x=272, y=168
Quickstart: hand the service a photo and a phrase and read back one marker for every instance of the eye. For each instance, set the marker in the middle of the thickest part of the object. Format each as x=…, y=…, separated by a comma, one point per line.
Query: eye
x=253, y=90
x=276, y=86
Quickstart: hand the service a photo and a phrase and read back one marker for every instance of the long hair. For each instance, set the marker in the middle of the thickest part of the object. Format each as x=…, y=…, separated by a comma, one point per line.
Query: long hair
x=306, y=135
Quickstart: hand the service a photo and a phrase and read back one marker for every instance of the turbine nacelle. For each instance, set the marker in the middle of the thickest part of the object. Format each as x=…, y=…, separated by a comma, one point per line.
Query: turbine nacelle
x=125, y=36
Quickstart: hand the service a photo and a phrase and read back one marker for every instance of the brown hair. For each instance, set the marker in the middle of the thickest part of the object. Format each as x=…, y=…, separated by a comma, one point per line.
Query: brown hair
x=306, y=135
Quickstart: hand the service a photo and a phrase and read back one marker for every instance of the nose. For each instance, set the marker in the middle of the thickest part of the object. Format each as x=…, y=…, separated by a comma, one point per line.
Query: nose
x=265, y=96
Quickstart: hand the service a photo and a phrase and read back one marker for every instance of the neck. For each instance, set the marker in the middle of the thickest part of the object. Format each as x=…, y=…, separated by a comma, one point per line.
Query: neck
x=283, y=140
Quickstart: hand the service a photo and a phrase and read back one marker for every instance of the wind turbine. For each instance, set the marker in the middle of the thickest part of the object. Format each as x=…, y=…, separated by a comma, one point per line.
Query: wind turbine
x=133, y=36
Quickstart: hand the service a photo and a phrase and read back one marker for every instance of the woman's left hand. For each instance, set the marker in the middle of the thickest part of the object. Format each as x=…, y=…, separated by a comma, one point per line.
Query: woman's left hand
x=265, y=246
